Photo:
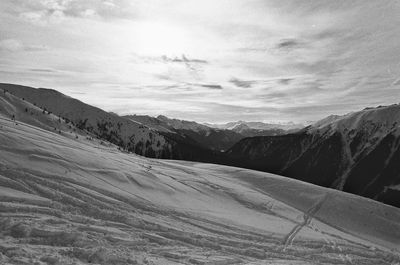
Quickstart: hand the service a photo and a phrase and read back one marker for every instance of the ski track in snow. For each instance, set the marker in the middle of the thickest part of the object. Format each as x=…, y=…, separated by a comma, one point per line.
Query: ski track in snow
x=59, y=209
x=307, y=216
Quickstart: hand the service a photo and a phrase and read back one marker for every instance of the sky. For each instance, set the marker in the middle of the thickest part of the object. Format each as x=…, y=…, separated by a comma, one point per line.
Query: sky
x=209, y=60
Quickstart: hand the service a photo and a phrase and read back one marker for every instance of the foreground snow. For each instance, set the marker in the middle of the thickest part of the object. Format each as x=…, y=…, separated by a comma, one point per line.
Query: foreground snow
x=74, y=201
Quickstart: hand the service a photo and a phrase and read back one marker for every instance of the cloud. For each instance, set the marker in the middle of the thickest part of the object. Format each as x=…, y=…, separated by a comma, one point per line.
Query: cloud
x=13, y=45
x=262, y=82
x=396, y=82
x=288, y=44
x=241, y=83
x=251, y=49
x=45, y=11
x=42, y=70
x=190, y=86
x=32, y=17
x=211, y=86
x=285, y=81
x=182, y=59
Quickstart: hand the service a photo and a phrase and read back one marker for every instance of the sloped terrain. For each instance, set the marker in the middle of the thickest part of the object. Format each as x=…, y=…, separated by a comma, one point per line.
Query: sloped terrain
x=358, y=153
x=210, y=138
x=74, y=201
x=126, y=133
x=21, y=110
x=218, y=138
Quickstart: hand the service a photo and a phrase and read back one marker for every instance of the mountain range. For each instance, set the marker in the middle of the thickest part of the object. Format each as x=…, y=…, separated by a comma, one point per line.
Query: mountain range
x=66, y=198
x=211, y=136
x=124, y=132
x=357, y=153
x=262, y=126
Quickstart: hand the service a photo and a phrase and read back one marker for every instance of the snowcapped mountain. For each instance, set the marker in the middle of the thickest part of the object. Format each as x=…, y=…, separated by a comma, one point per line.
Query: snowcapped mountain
x=257, y=125
x=213, y=137
x=358, y=153
x=159, y=137
x=126, y=133
x=184, y=125
x=251, y=129
x=247, y=131
x=207, y=137
x=74, y=201
x=151, y=122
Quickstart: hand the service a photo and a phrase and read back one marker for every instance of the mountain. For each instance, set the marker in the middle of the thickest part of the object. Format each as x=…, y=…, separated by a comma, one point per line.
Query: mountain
x=75, y=201
x=357, y=153
x=152, y=122
x=251, y=129
x=214, y=137
x=20, y=110
x=246, y=131
x=126, y=133
x=159, y=137
x=257, y=125
x=207, y=137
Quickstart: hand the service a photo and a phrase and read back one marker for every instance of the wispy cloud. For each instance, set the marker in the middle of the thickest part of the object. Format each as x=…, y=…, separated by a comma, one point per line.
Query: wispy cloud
x=210, y=86
x=288, y=44
x=182, y=59
x=241, y=83
x=13, y=45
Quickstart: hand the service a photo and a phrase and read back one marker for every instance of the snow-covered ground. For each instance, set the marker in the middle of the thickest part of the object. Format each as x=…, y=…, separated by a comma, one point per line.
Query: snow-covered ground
x=73, y=201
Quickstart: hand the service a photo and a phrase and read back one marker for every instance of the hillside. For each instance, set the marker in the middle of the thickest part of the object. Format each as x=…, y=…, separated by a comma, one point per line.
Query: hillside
x=126, y=133
x=20, y=110
x=210, y=136
x=71, y=201
x=207, y=137
x=358, y=153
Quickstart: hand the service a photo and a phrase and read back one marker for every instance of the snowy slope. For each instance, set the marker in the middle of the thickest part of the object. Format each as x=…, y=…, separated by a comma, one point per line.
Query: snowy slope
x=12, y=107
x=68, y=201
x=125, y=133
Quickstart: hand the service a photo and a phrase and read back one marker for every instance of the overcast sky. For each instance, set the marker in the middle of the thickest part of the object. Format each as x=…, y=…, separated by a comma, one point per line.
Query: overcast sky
x=207, y=60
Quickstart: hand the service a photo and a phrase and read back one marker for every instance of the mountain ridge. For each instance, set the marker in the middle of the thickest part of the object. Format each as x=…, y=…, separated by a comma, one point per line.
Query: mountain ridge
x=336, y=152
x=118, y=130
x=358, y=152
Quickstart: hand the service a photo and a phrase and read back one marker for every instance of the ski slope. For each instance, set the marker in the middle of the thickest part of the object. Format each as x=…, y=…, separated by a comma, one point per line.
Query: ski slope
x=74, y=201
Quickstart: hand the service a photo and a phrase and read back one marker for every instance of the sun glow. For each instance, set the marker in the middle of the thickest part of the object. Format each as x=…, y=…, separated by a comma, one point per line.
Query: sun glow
x=154, y=38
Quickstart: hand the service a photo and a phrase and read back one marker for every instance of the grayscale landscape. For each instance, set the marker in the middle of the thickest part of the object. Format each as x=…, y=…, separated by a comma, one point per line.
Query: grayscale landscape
x=199, y=133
